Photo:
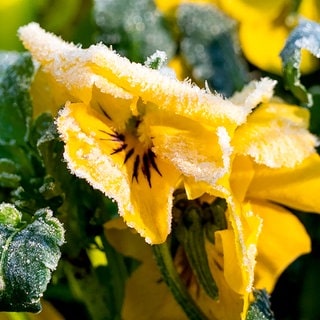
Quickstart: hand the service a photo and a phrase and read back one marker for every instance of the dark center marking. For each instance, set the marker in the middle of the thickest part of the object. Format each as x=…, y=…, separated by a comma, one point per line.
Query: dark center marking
x=105, y=113
x=144, y=163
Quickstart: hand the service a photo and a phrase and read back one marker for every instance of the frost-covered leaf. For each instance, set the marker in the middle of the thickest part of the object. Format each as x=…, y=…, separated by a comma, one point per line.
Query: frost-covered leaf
x=29, y=253
x=260, y=308
x=16, y=71
x=134, y=28
x=305, y=36
x=209, y=47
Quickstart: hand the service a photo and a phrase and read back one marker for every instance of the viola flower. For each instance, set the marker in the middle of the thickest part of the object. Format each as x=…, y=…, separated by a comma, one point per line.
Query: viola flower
x=255, y=247
x=264, y=27
x=276, y=167
x=133, y=132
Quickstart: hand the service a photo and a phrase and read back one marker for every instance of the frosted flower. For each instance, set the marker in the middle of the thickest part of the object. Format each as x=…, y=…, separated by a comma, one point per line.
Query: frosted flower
x=134, y=133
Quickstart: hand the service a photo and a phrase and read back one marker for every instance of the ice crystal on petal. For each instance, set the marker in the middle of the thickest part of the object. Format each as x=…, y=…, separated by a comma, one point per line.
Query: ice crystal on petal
x=254, y=93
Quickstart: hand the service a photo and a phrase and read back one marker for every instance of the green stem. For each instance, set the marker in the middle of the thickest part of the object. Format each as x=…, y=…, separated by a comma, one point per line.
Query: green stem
x=173, y=281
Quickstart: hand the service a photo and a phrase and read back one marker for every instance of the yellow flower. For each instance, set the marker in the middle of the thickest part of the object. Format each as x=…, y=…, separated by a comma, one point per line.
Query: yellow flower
x=264, y=27
x=133, y=132
x=276, y=165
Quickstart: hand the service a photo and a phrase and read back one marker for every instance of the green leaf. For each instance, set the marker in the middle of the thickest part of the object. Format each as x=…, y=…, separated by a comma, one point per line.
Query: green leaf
x=260, y=308
x=134, y=28
x=42, y=130
x=191, y=236
x=9, y=177
x=29, y=253
x=101, y=289
x=208, y=46
x=305, y=36
x=16, y=71
x=22, y=166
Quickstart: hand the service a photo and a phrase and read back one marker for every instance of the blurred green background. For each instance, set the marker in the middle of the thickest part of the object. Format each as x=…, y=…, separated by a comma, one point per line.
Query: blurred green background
x=71, y=19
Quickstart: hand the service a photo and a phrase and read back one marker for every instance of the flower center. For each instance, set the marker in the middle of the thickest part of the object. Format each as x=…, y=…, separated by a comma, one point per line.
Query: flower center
x=136, y=146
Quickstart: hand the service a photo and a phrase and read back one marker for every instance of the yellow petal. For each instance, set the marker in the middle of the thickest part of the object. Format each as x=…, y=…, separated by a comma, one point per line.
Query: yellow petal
x=47, y=94
x=254, y=93
x=296, y=187
x=226, y=270
x=230, y=304
x=282, y=240
x=200, y=152
x=147, y=208
x=60, y=59
x=276, y=135
x=246, y=227
x=241, y=175
x=78, y=69
x=146, y=296
x=196, y=189
x=113, y=102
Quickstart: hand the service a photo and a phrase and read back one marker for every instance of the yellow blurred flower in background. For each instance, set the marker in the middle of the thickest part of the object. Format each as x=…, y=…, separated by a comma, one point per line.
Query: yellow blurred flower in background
x=264, y=27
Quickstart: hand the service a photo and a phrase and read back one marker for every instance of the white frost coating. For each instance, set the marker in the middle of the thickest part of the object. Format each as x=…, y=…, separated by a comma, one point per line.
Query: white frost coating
x=68, y=123
x=44, y=43
x=179, y=97
x=148, y=240
x=159, y=58
x=107, y=87
x=196, y=162
x=193, y=164
x=252, y=254
x=251, y=262
x=225, y=143
x=78, y=69
x=119, y=192
x=254, y=93
x=283, y=142
x=248, y=252
x=284, y=147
